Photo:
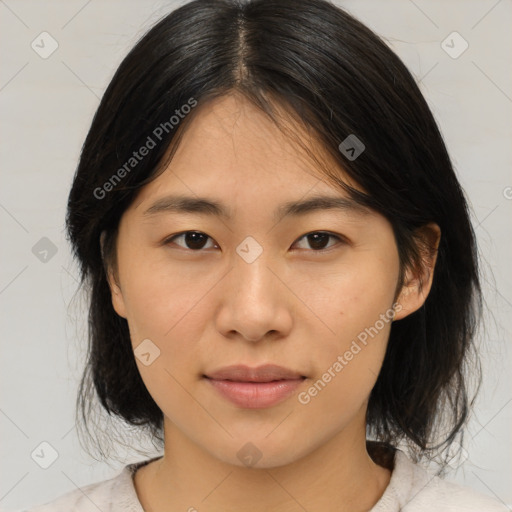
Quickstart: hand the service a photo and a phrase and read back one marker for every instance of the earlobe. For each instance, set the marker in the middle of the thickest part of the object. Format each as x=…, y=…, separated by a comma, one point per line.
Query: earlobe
x=418, y=281
x=410, y=298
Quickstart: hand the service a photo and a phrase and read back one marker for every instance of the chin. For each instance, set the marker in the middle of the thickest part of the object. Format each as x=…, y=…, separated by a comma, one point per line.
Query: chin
x=259, y=453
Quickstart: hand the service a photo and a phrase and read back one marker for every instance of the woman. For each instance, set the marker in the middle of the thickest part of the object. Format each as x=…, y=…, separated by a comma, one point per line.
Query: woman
x=283, y=274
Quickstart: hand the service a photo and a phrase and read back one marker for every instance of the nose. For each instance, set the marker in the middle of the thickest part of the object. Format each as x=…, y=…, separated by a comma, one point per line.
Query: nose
x=255, y=302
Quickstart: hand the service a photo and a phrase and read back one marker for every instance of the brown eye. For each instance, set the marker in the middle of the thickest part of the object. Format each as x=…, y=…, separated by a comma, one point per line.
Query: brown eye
x=319, y=240
x=193, y=240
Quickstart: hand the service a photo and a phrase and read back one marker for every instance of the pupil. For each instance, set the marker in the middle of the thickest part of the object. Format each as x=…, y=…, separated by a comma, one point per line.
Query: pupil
x=193, y=240
x=318, y=240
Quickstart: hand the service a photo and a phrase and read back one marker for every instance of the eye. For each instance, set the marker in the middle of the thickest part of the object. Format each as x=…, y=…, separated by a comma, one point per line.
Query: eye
x=319, y=239
x=194, y=240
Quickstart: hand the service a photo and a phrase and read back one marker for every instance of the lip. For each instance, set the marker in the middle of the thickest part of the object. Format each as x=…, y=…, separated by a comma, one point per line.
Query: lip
x=263, y=373
x=255, y=388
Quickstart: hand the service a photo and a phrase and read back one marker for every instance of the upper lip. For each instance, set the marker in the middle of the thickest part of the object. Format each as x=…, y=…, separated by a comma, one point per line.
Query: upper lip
x=264, y=373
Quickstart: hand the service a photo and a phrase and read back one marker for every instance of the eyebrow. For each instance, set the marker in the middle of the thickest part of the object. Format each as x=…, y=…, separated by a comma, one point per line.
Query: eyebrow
x=208, y=206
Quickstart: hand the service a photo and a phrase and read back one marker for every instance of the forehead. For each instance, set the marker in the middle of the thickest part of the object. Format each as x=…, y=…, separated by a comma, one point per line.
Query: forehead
x=233, y=151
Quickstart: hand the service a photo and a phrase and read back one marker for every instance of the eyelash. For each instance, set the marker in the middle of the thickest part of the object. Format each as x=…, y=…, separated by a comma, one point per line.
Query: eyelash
x=341, y=239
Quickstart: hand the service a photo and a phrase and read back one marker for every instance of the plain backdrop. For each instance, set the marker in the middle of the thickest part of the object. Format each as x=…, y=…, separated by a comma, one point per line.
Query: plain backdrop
x=47, y=103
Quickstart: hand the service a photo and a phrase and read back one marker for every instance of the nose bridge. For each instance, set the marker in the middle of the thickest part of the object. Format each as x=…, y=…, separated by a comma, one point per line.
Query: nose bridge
x=251, y=274
x=252, y=301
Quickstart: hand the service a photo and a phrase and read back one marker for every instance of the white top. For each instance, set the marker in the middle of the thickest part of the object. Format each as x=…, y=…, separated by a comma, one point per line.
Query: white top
x=411, y=489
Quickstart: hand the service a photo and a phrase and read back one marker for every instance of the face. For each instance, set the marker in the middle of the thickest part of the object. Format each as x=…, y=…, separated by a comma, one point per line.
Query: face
x=312, y=292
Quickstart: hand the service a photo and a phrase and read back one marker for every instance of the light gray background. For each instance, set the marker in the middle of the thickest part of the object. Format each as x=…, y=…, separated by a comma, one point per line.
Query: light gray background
x=47, y=106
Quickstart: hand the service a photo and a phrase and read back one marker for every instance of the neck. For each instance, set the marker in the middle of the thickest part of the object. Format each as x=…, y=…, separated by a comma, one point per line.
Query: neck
x=338, y=476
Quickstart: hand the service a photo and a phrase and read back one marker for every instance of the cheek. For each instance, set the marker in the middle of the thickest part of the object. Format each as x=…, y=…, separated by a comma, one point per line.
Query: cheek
x=166, y=308
x=356, y=305
x=340, y=392
x=347, y=362
x=170, y=308
x=162, y=298
x=352, y=297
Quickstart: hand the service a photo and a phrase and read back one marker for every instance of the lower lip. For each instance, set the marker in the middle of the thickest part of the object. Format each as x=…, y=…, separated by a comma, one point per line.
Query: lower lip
x=256, y=395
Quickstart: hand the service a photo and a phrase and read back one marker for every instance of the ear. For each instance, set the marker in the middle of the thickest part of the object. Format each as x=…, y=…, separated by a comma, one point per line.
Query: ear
x=113, y=281
x=418, y=281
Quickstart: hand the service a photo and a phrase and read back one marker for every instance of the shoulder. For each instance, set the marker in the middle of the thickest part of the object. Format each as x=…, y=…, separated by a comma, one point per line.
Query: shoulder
x=416, y=490
x=113, y=495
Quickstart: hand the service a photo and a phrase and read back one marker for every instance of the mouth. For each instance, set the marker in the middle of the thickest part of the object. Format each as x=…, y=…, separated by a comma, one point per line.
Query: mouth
x=264, y=373
x=255, y=388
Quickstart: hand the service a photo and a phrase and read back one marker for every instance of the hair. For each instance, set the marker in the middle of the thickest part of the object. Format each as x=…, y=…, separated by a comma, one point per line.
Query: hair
x=313, y=63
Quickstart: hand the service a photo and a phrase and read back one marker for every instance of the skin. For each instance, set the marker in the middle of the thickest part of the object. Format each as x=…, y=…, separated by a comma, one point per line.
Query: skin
x=293, y=306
